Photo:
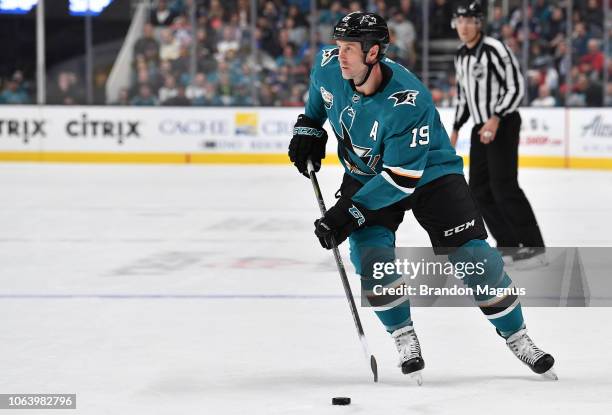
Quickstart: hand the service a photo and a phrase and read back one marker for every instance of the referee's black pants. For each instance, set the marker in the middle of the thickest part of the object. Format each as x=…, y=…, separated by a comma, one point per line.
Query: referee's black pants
x=494, y=183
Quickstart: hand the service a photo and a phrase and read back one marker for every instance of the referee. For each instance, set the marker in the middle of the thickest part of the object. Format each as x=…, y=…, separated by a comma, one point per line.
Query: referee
x=490, y=88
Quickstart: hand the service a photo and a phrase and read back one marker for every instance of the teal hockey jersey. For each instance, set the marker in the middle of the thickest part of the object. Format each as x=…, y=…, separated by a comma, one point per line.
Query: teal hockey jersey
x=391, y=141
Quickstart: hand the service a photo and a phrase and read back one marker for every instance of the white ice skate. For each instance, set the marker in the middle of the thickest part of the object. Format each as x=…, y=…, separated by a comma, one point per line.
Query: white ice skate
x=523, y=347
x=528, y=258
x=409, y=349
x=524, y=258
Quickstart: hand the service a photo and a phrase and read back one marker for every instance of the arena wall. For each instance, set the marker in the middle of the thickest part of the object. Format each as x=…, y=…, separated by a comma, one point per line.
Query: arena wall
x=555, y=137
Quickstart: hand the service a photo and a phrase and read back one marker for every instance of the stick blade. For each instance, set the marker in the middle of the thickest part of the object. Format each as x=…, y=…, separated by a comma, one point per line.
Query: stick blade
x=374, y=367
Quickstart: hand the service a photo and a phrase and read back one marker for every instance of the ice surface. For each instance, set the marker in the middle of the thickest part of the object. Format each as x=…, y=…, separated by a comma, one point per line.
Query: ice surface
x=201, y=290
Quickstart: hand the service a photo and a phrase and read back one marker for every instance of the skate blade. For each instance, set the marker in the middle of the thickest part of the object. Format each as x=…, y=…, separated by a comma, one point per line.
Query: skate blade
x=550, y=374
x=417, y=377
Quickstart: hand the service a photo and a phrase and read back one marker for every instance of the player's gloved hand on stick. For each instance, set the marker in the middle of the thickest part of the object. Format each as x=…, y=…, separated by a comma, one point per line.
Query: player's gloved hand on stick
x=339, y=222
x=308, y=142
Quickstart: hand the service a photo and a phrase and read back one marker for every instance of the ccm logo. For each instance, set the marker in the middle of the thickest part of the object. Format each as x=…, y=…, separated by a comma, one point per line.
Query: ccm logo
x=460, y=228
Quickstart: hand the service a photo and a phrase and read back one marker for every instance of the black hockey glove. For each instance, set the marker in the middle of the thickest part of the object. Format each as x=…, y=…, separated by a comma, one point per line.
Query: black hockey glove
x=308, y=142
x=339, y=222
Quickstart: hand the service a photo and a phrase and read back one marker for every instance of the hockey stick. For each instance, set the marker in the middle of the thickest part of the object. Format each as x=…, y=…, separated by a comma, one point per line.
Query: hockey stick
x=347, y=288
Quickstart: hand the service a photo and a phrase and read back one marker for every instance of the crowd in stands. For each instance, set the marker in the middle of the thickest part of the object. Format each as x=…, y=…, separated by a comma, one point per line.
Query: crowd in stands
x=548, y=63
x=64, y=89
x=224, y=71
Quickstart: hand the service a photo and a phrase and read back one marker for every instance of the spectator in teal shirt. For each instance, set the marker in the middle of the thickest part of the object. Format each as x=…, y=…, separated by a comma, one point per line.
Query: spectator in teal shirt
x=13, y=95
x=144, y=97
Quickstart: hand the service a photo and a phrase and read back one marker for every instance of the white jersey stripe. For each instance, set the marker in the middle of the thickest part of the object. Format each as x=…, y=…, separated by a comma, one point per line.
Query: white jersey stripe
x=390, y=180
x=404, y=172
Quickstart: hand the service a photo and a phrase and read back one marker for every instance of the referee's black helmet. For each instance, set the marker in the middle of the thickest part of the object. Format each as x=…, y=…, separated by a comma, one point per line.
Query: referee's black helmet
x=469, y=9
x=369, y=29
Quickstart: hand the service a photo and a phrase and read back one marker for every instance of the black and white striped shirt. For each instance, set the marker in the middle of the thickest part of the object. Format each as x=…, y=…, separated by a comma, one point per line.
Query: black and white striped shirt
x=489, y=81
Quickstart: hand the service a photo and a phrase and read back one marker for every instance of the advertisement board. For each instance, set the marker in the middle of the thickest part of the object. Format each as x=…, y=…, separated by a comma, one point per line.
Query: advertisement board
x=550, y=137
x=591, y=133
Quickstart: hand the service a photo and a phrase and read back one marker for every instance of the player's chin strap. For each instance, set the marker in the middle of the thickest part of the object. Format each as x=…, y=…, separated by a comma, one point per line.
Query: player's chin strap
x=370, y=67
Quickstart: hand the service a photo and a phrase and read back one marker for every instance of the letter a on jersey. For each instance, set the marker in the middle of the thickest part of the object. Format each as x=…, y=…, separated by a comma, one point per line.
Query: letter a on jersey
x=374, y=131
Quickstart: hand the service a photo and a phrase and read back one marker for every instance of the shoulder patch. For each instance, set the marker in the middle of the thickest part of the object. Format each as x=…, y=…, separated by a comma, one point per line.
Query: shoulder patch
x=328, y=55
x=404, y=97
x=328, y=98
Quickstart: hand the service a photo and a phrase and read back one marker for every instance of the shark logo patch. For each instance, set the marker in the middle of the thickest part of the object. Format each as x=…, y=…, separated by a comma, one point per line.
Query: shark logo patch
x=328, y=55
x=364, y=153
x=405, y=97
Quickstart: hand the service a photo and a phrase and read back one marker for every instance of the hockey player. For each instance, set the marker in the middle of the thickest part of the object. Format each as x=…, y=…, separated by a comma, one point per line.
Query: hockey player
x=396, y=156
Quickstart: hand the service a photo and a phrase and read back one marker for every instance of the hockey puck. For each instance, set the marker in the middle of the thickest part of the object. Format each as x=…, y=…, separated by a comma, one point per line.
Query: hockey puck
x=340, y=400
